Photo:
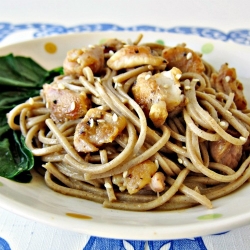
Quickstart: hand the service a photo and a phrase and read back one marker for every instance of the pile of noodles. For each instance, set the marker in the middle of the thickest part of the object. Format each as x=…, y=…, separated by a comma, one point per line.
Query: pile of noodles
x=180, y=147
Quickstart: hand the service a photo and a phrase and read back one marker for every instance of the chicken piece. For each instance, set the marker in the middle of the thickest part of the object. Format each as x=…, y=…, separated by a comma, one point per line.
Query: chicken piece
x=226, y=153
x=246, y=146
x=132, y=56
x=158, y=94
x=137, y=177
x=112, y=45
x=65, y=104
x=157, y=183
x=77, y=59
x=184, y=59
x=96, y=128
x=226, y=81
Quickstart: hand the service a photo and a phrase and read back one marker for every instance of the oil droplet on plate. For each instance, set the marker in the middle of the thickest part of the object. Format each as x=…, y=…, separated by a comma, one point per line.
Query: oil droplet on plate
x=209, y=216
x=79, y=216
x=51, y=48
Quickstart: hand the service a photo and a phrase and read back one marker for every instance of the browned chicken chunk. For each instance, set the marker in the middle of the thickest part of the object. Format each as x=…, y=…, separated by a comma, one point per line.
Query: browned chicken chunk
x=226, y=153
x=77, y=59
x=226, y=81
x=157, y=183
x=136, y=177
x=96, y=128
x=65, y=104
x=132, y=56
x=112, y=45
x=158, y=94
x=184, y=59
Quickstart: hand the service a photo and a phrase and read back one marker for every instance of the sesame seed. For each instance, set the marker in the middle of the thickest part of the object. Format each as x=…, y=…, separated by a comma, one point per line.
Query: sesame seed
x=166, y=86
x=184, y=147
x=91, y=46
x=150, y=67
x=91, y=122
x=119, y=84
x=111, y=52
x=107, y=185
x=157, y=163
x=67, y=78
x=227, y=78
x=195, y=80
x=100, y=120
x=97, y=78
x=78, y=60
x=31, y=101
x=229, y=112
x=180, y=160
x=125, y=174
x=122, y=188
x=147, y=77
x=196, y=189
x=100, y=107
x=61, y=86
x=47, y=105
x=178, y=76
x=223, y=123
x=242, y=138
x=189, y=55
x=115, y=117
x=187, y=87
x=72, y=106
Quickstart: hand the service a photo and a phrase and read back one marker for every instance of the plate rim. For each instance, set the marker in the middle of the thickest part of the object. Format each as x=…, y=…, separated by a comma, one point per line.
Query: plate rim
x=239, y=220
x=41, y=29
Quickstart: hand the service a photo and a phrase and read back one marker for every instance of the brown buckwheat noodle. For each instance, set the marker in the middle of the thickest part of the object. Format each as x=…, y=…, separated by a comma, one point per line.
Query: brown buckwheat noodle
x=180, y=148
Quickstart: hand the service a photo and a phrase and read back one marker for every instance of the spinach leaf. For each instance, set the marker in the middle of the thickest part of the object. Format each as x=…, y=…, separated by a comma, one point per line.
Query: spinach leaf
x=4, y=127
x=23, y=177
x=21, y=71
x=15, y=155
x=9, y=99
x=20, y=79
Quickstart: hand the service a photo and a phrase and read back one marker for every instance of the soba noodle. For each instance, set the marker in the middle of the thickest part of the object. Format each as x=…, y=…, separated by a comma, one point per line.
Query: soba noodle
x=180, y=148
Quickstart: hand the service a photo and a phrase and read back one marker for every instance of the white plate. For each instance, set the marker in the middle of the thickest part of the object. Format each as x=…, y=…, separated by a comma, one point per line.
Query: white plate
x=37, y=202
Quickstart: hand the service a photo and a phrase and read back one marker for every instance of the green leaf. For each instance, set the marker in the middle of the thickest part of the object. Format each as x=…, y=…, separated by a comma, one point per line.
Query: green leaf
x=9, y=99
x=4, y=127
x=15, y=157
x=7, y=161
x=12, y=76
x=24, y=177
x=28, y=70
x=20, y=79
x=53, y=73
x=23, y=158
x=21, y=71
